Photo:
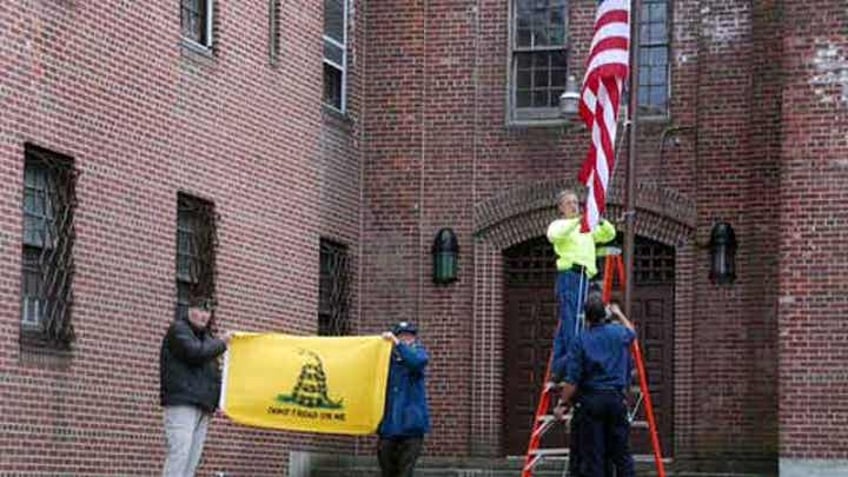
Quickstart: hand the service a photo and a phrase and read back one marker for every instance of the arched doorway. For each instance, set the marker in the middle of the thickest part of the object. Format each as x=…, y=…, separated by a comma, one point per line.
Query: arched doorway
x=530, y=319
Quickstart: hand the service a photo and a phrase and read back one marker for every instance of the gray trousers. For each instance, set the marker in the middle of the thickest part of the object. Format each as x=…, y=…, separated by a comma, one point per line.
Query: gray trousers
x=185, y=431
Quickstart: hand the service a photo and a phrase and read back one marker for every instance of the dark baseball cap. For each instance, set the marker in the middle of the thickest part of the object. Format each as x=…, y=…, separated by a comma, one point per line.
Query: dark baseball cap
x=405, y=327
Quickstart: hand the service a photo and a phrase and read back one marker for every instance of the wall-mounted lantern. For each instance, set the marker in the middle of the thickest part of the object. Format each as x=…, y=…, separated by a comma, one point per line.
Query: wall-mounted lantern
x=445, y=251
x=569, y=100
x=722, y=254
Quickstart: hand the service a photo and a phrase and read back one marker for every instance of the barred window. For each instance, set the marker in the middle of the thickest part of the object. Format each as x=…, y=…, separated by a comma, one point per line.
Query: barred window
x=335, y=53
x=539, y=54
x=653, y=58
x=49, y=202
x=653, y=263
x=273, y=31
x=333, y=292
x=196, y=246
x=196, y=21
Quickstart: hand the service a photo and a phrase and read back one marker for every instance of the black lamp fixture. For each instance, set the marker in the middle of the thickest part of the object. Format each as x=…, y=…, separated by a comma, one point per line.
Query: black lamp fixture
x=722, y=254
x=445, y=250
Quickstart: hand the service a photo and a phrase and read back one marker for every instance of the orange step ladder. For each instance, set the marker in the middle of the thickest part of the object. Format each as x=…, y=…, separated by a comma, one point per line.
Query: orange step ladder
x=544, y=419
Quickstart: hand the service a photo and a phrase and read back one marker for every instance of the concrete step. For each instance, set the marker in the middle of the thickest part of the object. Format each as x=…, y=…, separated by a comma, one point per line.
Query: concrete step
x=433, y=473
x=455, y=472
x=324, y=465
x=366, y=466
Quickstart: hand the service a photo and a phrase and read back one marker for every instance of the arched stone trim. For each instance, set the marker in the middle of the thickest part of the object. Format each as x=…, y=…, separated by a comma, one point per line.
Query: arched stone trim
x=523, y=213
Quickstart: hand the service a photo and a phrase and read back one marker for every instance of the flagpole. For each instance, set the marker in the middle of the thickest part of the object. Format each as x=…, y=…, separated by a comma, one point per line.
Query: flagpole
x=630, y=183
x=630, y=224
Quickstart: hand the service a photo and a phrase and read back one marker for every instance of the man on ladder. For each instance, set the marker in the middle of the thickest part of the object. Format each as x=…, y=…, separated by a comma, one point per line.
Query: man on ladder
x=576, y=265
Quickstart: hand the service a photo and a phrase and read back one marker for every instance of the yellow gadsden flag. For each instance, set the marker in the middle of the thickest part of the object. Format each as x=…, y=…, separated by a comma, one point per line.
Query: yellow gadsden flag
x=306, y=383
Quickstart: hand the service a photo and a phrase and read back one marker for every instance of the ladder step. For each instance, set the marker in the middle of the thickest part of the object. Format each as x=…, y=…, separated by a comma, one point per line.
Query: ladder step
x=545, y=418
x=550, y=452
x=607, y=251
x=542, y=429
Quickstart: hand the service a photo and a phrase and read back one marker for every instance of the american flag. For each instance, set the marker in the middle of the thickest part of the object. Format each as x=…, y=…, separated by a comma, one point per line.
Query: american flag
x=606, y=71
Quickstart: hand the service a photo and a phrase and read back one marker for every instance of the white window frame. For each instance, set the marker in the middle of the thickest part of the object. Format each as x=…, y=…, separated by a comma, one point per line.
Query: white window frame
x=644, y=111
x=343, y=66
x=209, y=20
x=530, y=116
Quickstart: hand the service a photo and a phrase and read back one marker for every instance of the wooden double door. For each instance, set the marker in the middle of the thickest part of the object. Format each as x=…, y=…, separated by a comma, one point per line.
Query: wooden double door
x=531, y=318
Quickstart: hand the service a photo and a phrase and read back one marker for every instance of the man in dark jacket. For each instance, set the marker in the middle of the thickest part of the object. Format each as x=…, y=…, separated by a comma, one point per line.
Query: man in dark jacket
x=597, y=374
x=190, y=385
x=406, y=417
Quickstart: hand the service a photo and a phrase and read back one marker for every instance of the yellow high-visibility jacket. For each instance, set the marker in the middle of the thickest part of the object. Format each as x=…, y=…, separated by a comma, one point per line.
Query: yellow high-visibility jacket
x=576, y=248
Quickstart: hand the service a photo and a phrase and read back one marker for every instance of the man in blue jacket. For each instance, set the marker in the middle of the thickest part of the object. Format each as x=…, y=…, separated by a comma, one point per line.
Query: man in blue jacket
x=406, y=417
x=596, y=377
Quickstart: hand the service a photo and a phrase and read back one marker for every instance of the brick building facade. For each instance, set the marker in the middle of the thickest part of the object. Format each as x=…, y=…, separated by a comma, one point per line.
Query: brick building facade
x=426, y=127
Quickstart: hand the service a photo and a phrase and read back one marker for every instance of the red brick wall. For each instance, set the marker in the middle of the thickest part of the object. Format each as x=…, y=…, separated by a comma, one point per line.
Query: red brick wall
x=438, y=139
x=145, y=117
x=813, y=277
x=423, y=146
x=736, y=181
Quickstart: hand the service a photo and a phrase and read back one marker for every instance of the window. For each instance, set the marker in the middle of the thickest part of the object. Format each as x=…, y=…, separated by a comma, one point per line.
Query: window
x=196, y=244
x=47, y=254
x=333, y=319
x=273, y=30
x=538, y=58
x=335, y=53
x=196, y=21
x=653, y=58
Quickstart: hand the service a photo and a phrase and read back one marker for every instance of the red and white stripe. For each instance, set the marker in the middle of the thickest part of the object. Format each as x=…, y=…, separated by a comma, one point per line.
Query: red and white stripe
x=606, y=70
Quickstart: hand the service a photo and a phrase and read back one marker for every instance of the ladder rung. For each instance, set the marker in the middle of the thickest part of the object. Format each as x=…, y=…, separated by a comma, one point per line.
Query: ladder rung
x=532, y=463
x=545, y=418
x=550, y=452
x=607, y=251
x=542, y=429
